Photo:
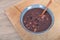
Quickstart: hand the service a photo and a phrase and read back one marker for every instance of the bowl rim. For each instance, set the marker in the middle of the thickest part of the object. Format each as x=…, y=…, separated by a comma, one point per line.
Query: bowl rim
x=36, y=6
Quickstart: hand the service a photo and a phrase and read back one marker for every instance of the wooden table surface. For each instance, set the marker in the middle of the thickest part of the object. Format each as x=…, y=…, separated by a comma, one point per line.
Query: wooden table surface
x=7, y=32
x=14, y=15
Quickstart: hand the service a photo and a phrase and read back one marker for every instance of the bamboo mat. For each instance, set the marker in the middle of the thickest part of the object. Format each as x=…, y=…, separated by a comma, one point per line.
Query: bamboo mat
x=14, y=13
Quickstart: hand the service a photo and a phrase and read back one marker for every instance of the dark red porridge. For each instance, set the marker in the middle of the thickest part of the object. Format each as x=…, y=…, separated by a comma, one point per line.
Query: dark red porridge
x=33, y=22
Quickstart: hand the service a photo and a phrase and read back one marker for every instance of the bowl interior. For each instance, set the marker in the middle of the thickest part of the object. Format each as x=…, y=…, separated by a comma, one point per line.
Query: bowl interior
x=36, y=6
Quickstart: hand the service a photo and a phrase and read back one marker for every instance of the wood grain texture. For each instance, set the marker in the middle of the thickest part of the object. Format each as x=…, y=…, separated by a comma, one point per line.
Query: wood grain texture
x=7, y=31
x=14, y=16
